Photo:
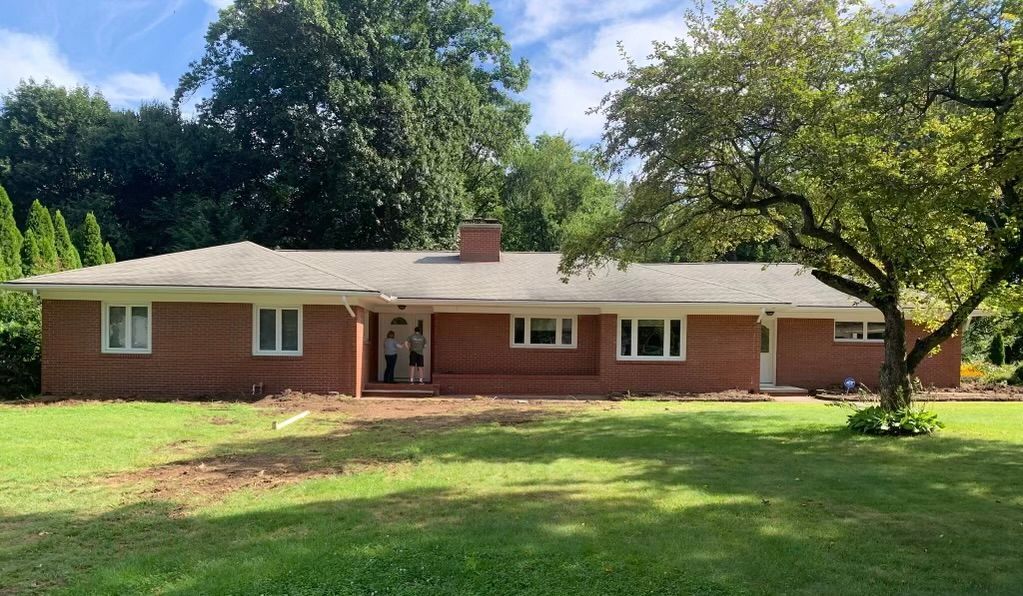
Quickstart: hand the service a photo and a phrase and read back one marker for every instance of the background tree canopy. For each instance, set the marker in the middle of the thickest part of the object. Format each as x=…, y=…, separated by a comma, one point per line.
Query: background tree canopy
x=362, y=122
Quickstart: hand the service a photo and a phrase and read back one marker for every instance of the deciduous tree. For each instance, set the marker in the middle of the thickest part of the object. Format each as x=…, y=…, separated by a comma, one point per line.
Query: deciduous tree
x=546, y=183
x=885, y=148
x=363, y=123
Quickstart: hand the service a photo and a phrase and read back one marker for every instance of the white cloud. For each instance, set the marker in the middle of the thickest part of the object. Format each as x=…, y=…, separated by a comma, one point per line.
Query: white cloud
x=129, y=88
x=537, y=19
x=564, y=88
x=25, y=56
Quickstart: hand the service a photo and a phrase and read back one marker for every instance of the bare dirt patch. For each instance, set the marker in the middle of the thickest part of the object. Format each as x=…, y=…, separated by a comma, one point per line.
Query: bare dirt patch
x=303, y=457
x=215, y=477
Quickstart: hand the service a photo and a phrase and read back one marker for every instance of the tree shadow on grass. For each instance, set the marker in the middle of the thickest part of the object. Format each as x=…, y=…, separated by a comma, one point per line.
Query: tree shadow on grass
x=701, y=503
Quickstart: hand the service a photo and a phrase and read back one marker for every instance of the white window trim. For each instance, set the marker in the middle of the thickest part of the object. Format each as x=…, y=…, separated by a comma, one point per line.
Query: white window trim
x=683, y=326
x=557, y=345
x=105, y=330
x=834, y=327
x=280, y=323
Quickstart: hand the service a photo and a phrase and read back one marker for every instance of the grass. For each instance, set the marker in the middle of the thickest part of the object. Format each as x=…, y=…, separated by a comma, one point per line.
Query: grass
x=648, y=498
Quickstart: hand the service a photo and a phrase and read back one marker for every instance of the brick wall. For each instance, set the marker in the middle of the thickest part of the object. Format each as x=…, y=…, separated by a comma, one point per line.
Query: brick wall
x=472, y=355
x=809, y=356
x=722, y=352
x=481, y=343
x=479, y=243
x=198, y=349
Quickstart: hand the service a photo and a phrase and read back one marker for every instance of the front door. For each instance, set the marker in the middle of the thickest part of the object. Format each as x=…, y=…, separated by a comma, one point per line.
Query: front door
x=768, y=346
x=402, y=324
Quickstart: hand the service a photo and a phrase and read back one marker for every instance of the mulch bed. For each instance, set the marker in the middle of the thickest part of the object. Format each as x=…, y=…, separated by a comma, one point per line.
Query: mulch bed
x=680, y=396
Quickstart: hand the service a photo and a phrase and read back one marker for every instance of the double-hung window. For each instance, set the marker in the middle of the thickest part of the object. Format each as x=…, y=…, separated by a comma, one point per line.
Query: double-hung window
x=543, y=332
x=127, y=329
x=859, y=331
x=650, y=338
x=277, y=331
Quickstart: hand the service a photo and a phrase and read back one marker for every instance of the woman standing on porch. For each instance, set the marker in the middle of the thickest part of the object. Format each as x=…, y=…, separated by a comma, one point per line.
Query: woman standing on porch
x=390, y=356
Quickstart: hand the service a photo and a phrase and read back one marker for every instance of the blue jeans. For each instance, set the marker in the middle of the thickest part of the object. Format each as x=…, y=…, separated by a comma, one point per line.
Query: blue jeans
x=390, y=359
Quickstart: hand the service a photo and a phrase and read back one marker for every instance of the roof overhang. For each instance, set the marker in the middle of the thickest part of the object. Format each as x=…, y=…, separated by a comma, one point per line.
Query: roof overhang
x=149, y=293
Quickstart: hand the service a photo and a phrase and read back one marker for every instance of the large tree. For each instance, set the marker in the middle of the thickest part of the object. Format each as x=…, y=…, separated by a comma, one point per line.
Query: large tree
x=46, y=135
x=366, y=123
x=547, y=181
x=885, y=148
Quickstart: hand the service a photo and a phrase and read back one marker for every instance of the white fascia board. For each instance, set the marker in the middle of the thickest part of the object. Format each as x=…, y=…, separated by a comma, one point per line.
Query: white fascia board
x=191, y=294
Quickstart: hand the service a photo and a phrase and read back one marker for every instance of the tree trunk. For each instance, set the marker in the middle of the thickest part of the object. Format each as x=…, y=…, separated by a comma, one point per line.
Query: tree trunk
x=896, y=387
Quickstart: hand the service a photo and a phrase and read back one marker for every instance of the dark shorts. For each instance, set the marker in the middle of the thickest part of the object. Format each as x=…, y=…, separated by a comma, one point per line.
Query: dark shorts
x=415, y=359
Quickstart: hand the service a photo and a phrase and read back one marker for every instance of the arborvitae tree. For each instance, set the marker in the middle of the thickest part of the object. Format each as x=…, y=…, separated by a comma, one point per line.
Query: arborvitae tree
x=91, y=242
x=32, y=262
x=10, y=240
x=997, y=351
x=1014, y=351
x=108, y=254
x=66, y=251
x=41, y=223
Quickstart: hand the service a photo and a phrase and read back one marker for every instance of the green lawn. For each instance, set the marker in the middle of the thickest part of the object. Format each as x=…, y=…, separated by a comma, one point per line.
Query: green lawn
x=648, y=498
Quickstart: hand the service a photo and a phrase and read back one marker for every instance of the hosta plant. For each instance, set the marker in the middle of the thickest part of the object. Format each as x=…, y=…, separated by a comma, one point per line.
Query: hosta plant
x=875, y=420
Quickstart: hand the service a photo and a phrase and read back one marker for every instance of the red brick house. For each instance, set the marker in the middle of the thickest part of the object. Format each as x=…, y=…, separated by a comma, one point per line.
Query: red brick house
x=237, y=318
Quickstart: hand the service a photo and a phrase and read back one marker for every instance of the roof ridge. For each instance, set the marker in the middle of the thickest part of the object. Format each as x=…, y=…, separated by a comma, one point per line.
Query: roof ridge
x=713, y=283
x=315, y=268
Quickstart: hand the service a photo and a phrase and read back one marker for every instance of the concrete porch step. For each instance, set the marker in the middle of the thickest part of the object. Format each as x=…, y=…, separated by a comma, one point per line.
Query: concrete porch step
x=783, y=390
x=400, y=390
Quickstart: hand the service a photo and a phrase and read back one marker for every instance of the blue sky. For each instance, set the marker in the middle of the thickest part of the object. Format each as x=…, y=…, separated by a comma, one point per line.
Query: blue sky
x=135, y=50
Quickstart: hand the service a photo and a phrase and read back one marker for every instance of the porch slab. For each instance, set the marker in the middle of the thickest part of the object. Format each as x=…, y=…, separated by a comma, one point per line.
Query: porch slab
x=780, y=390
x=400, y=390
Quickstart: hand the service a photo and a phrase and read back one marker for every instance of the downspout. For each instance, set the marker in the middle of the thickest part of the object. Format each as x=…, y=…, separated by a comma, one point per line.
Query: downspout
x=348, y=307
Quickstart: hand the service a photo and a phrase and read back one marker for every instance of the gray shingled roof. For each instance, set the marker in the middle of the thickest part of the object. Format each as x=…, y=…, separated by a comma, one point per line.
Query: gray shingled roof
x=411, y=275
x=242, y=265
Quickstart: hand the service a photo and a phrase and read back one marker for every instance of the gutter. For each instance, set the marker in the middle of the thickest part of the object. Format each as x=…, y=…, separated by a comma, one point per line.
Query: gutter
x=34, y=288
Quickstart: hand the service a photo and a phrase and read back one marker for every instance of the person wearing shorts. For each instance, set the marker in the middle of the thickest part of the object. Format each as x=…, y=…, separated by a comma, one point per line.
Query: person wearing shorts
x=416, y=347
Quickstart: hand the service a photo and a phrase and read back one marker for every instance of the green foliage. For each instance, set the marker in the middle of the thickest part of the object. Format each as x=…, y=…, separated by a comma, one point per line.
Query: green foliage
x=996, y=352
x=40, y=223
x=91, y=242
x=47, y=136
x=66, y=251
x=108, y=254
x=547, y=182
x=424, y=90
x=875, y=420
x=20, y=339
x=10, y=240
x=1017, y=376
x=31, y=256
x=1014, y=350
x=885, y=148
x=193, y=221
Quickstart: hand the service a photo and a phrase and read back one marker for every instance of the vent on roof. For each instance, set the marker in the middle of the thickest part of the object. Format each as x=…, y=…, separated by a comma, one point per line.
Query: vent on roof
x=479, y=241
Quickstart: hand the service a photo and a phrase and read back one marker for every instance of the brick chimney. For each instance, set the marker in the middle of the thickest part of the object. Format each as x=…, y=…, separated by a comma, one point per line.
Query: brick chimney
x=479, y=241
